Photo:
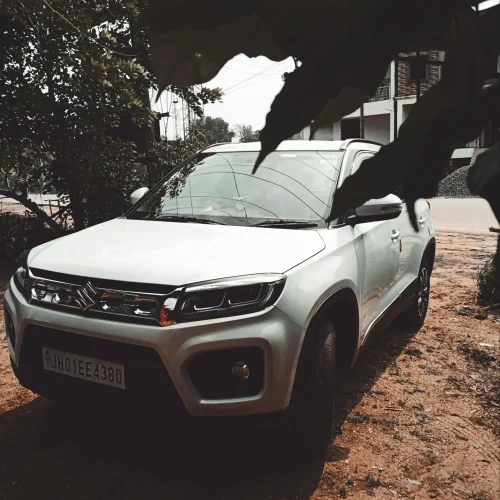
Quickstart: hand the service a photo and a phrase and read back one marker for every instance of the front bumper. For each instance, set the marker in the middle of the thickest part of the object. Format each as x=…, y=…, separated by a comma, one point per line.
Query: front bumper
x=275, y=333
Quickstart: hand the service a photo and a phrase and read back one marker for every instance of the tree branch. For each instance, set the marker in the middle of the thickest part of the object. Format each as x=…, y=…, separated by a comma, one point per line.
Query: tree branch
x=31, y=205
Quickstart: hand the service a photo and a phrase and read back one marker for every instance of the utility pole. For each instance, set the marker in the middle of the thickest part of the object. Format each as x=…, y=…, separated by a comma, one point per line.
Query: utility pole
x=147, y=140
x=362, y=121
x=395, y=97
x=419, y=76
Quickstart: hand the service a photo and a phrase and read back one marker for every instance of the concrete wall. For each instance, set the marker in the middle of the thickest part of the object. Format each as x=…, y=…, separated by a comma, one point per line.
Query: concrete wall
x=378, y=128
x=380, y=115
x=337, y=132
x=324, y=134
x=375, y=108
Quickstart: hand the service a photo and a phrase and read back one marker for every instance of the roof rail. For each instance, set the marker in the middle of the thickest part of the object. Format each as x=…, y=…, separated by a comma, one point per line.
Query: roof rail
x=348, y=142
x=215, y=144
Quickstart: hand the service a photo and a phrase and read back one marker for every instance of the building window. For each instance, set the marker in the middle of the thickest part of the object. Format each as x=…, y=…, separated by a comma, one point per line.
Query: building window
x=350, y=128
x=418, y=67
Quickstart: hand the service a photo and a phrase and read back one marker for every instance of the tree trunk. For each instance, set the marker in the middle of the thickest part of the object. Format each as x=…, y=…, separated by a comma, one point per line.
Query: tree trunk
x=77, y=208
x=31, y=205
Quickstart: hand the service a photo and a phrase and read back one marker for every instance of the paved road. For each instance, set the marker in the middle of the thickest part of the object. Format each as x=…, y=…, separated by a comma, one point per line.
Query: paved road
x=466, y=214
x=36, y=197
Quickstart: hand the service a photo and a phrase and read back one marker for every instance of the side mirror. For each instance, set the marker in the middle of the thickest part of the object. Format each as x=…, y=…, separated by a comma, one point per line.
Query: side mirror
x=138, y=194
x=377, y=210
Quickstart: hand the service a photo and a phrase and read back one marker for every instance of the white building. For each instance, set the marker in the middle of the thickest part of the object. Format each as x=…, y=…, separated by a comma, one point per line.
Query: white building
x=392, y=104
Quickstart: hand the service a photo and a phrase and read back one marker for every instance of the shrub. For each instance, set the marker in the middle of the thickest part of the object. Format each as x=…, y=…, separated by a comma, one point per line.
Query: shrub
x=19, y=233
x=487, y=283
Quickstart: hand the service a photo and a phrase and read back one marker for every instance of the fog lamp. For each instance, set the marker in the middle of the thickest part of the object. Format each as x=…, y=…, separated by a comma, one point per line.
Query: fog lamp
x=240, y=370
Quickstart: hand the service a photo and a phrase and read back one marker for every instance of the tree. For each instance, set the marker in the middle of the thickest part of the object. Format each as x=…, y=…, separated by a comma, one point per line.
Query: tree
x=104, y=192
x=213, y=130
x=170, y=154
x=20, y=163
x=245, y=133
x=341, y=68
x=71, y=72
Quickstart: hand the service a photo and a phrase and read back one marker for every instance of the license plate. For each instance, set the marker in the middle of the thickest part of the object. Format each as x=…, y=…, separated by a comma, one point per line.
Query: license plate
x=82, y=367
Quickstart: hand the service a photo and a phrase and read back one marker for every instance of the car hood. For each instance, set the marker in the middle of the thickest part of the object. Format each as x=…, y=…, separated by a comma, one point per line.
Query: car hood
x=173, y=253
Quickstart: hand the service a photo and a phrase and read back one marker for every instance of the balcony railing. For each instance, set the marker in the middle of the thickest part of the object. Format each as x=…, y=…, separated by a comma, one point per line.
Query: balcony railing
x=383, y=93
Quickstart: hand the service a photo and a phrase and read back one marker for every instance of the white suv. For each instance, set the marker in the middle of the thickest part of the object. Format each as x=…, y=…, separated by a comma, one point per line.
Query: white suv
x=223, y=292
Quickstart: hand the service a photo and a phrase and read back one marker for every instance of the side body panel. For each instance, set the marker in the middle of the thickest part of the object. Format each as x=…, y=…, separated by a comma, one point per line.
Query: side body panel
x=414, y=243
x=377, y=250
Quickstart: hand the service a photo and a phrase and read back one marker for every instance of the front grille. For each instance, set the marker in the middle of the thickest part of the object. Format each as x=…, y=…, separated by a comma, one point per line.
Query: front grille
x=119, y=300
x=100, y=283
x=146, y=377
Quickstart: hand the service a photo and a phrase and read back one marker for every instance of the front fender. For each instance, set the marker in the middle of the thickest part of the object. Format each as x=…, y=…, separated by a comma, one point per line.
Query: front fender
x=311, y=283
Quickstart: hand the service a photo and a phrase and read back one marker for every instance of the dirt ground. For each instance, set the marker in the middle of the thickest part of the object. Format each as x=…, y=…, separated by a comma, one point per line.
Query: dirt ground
x=417, y=418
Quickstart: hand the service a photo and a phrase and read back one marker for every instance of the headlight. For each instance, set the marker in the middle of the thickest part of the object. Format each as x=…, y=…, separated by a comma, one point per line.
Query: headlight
x=229, y=297
x=21, y=275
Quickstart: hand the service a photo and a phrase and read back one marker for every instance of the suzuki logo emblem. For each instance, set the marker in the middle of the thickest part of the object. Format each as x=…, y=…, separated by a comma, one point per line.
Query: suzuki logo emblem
x=85, y=296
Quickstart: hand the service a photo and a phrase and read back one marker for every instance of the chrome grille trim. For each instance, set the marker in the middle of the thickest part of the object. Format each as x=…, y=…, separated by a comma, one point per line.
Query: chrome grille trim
x=98, y=300
x=132, y=287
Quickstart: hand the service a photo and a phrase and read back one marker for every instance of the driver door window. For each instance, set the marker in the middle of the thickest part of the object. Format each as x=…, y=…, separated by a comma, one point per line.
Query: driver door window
x=360, y=158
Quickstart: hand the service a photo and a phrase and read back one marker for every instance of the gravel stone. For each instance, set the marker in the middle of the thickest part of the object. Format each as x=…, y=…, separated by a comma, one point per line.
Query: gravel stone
x=455, y=185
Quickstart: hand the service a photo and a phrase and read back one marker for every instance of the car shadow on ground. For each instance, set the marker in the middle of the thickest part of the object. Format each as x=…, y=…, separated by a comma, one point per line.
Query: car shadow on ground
x=51, y=452
x=354, y=384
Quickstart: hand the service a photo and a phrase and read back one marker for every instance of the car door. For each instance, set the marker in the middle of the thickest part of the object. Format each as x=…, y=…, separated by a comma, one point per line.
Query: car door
x=413, y=242
x=377, y=246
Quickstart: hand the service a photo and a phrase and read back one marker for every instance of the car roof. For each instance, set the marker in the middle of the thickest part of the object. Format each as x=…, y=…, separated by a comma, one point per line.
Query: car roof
x=233, y=147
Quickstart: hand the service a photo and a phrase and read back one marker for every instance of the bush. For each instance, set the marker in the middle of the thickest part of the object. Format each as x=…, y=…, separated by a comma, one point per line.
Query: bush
x=19, y=233
x=487, y=284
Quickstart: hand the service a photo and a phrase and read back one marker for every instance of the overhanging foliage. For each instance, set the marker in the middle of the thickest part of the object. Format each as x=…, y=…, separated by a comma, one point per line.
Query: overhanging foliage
x=345, y=48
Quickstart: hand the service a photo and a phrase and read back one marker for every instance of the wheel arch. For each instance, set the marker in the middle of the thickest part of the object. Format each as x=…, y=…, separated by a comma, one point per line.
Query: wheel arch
x=430, y=252
x=342, y=309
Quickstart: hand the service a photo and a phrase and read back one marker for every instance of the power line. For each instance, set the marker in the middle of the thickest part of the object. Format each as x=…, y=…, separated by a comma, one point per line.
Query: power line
x=251, y=77
x=256, y=81
x=36, y=28
x=85, y=34
x=239, y=70
x=106, y=7
x=248, y=64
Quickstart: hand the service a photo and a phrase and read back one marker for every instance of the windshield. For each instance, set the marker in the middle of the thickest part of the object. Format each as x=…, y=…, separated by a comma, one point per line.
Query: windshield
x=288, y=186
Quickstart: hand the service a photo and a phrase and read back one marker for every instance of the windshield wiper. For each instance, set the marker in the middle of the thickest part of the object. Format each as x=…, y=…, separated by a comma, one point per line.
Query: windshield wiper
x=184, y=218
x=291, y=224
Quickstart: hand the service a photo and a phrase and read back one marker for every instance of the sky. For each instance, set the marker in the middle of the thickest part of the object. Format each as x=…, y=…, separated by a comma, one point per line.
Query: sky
x=249, y=86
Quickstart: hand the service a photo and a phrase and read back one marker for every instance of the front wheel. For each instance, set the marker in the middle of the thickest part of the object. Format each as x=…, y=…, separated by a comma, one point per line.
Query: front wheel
x=414, y=316
x=310, y=415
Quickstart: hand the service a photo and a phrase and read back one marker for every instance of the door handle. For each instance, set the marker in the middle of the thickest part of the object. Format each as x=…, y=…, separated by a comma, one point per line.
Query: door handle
x=421, y=222
x=395, y=236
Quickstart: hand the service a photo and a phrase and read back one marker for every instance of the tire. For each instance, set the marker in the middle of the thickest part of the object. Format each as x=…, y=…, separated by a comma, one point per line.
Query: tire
x=310, y=414
x=414, y=317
